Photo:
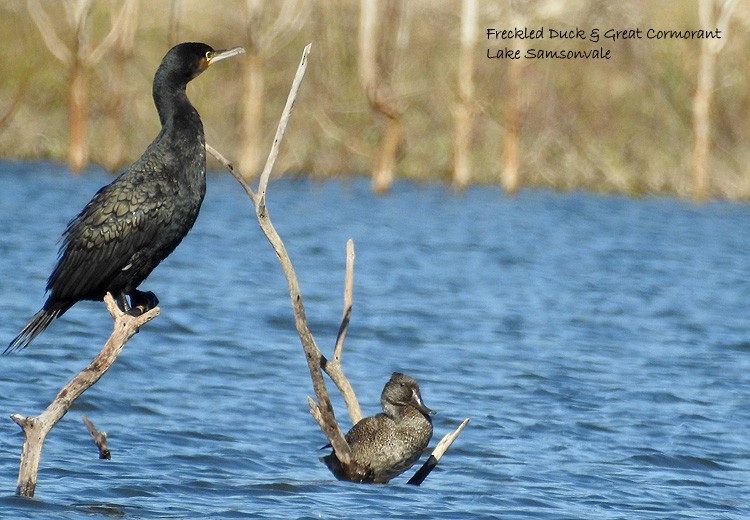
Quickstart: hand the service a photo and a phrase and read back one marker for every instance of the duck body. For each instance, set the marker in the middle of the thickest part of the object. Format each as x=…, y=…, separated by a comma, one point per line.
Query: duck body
x=389, y=443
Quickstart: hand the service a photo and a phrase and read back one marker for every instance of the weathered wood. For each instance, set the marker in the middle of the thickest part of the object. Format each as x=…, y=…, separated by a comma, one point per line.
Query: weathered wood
x=712, y=13
x=100, y=439
x=35, y=429
x=374, y=67
x=314, y=357
x=464, y=112
x=333, y=368
x=514, y=114
x=437, y=454
x=322, y=409
x=80, y=58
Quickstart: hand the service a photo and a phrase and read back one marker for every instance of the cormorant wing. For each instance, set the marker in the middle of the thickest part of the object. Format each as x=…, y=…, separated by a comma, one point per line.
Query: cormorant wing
x=105, y=239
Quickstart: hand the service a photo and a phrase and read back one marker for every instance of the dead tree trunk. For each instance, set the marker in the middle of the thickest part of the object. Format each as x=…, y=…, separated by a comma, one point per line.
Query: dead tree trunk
x=79, y=58
x=712, y=13
x=514, y=112
x=317, y=363
x=114, y=150
x=35, y=429
x=385, y=167
x=464, y=113
x=78, y=143
x=374, y=82
x=266, y=23
x=175, y=16
x=315, y=359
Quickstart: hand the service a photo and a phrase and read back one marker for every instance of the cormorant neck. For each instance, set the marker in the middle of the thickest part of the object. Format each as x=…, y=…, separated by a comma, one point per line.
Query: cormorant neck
x=171, y=101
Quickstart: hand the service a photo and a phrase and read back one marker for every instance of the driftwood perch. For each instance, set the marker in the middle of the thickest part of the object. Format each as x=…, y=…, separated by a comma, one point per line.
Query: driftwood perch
x=437, y=454
x=322, y=409
x=315, y=359
x=36, y=428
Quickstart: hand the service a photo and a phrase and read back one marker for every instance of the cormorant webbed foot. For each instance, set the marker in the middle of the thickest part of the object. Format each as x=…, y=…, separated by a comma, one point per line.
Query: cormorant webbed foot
x=122, y=302
x=142, y=302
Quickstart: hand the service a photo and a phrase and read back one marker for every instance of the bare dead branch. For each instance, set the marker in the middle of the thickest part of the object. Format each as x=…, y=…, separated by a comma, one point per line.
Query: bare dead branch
x=373, y=77
x=437, y=454
x=322, y=411
x=175, y=18
x=46, y=28
x=283, y=122
x=704, y=93
x=228, y=165
x=100, y=439
x=464, y=112
x=334, y=368
x=368, y=26
x=122, y=27
x=35, y=429
x=314, y=357
x=348, y=291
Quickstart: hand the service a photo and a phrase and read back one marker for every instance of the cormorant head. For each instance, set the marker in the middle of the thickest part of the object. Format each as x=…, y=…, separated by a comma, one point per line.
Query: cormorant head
x=185, y=61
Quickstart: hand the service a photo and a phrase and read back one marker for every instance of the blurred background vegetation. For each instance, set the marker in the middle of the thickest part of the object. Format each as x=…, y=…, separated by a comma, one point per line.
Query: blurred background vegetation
x=398, y=88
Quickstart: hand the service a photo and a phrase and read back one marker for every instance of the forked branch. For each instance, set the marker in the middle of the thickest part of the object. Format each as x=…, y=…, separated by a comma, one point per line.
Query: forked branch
x=322, y=410
x=36, y=428
x=315, y=360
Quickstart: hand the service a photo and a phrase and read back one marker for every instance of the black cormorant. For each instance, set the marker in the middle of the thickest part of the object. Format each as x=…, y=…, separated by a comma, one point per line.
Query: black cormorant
x=135, y=222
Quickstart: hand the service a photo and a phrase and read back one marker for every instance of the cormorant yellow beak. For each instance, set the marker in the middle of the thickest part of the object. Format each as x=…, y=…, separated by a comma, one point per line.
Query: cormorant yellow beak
x=224, y=54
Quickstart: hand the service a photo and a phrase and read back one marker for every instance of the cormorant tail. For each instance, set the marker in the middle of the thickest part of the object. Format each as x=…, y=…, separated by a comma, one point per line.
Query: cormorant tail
x=36, y=325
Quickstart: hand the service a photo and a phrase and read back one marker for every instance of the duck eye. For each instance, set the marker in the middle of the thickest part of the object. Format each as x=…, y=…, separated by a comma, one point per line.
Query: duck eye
x=209, y=55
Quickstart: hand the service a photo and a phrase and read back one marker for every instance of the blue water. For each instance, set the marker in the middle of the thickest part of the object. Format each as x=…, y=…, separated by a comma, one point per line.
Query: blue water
x=599, y=344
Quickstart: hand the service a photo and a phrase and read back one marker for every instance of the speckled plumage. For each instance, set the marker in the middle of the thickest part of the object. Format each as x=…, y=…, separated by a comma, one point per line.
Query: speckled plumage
x=135, y=222
x=389, y=443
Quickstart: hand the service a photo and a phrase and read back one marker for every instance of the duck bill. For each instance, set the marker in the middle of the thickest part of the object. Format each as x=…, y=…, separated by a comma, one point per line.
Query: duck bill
x=226, y=53
x=416, y=401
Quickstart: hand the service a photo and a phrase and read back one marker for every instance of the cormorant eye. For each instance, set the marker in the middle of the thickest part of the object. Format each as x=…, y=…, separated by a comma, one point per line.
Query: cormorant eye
x=209, y=55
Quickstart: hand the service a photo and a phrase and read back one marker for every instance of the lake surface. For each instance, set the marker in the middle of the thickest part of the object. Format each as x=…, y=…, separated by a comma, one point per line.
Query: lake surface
x=599, y=344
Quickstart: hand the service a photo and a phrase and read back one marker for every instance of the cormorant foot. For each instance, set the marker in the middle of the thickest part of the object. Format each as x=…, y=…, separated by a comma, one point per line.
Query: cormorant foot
x=141, y=302
x=122, y=302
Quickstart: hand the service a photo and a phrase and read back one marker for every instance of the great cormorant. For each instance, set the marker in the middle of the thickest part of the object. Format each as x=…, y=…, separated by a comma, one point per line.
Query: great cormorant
x=135, y=222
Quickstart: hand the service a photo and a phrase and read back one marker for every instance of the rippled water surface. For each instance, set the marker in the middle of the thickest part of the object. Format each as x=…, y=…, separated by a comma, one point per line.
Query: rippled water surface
x=600, y=346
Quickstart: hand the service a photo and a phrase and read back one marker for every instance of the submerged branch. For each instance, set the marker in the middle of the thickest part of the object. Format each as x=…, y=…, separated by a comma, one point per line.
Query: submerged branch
x=327, y=418
x=322, y=409
x=437, y=454
x=100, y=439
